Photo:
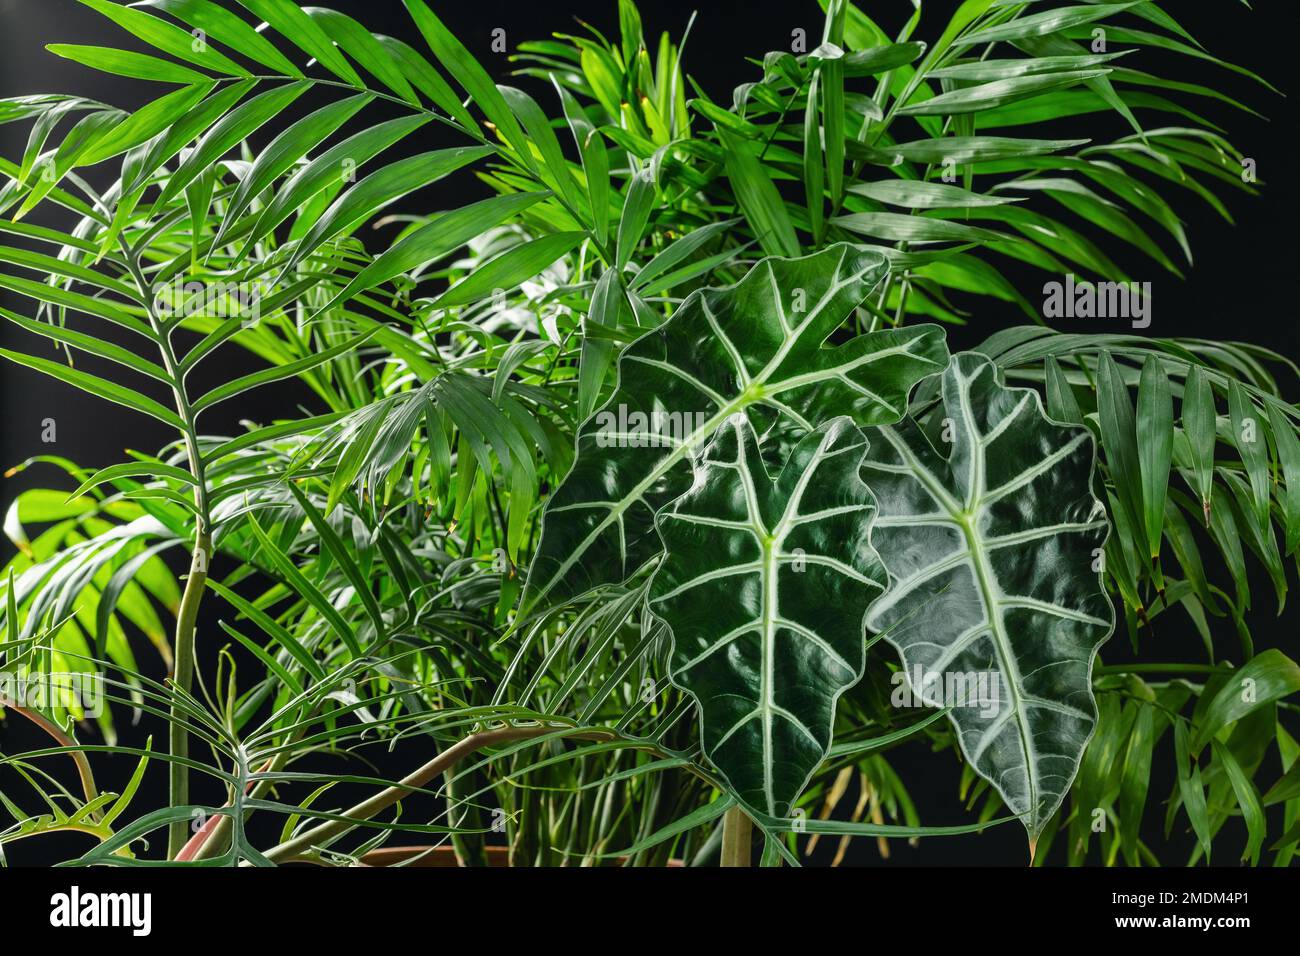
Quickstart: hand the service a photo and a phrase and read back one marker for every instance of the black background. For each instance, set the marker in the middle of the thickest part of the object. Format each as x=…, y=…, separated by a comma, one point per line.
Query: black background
x=1240, y=287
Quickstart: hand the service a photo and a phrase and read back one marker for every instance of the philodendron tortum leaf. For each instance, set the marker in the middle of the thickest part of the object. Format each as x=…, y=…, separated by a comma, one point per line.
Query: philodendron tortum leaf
x=996, y=604
x=756, y=347
x=765, y=586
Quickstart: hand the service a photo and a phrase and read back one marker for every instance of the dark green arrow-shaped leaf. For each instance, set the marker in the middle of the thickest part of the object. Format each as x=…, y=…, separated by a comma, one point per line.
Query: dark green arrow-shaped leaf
x=993, y=538
x=765, y=585
x=756, y=347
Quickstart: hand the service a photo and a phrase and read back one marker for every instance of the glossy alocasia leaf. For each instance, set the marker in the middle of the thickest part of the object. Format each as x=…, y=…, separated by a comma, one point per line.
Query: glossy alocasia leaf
x=992, y=538
x=765, y=585
x=755, y=347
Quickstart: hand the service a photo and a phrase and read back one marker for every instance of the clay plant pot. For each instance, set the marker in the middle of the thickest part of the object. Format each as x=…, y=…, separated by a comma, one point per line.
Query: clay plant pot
x=437, y=856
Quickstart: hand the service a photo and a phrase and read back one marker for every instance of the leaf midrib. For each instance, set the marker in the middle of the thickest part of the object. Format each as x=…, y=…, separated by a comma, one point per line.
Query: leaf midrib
x=756, y=392
x=989, y=592
x=963, y=519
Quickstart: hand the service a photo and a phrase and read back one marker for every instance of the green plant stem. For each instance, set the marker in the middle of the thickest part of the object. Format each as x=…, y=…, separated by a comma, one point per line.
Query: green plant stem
x=737, y=834
x=188, y=613
x=178, y=731
x=216, y=841
x=381, y=801
x=470, y=848
x=84, y=772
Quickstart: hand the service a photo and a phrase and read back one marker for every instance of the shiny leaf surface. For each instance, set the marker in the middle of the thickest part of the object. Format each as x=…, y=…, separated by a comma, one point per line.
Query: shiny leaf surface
x=764, y=585
x=991, y=547
x=758, y=347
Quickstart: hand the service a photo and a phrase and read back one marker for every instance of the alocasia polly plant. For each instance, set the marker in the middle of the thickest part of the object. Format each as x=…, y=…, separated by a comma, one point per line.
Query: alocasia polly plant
x=993, y=551
x=765, y=584
x=759, y=347
x=993, y=541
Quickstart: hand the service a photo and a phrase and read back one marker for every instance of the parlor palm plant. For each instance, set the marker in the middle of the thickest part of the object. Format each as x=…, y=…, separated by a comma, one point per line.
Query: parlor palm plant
x=617, y=478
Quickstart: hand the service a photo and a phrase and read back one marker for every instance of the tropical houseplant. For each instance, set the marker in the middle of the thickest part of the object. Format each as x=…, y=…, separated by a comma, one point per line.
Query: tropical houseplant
x=631, y=495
